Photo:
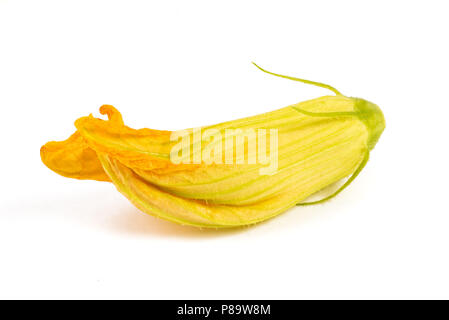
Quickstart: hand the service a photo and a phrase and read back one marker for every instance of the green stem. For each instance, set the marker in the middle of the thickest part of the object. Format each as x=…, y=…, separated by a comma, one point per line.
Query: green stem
x=327, y=114
x=347, y=183
x=318, y=84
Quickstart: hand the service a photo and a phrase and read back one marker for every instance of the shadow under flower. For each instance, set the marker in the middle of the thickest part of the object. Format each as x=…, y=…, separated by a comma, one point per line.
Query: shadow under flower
x=134, y=221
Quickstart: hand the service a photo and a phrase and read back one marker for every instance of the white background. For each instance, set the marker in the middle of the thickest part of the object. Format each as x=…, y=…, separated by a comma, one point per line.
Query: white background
x=177, y=64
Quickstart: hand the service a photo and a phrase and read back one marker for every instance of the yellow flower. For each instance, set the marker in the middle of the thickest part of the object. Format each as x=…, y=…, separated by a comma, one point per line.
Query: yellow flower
x=215, y=183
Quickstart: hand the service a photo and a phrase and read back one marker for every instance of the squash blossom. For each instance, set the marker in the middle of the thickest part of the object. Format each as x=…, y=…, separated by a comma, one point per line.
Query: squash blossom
x=200, y=178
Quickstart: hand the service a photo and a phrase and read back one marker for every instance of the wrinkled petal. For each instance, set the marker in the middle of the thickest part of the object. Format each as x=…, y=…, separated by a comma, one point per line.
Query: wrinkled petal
x=73, y=158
